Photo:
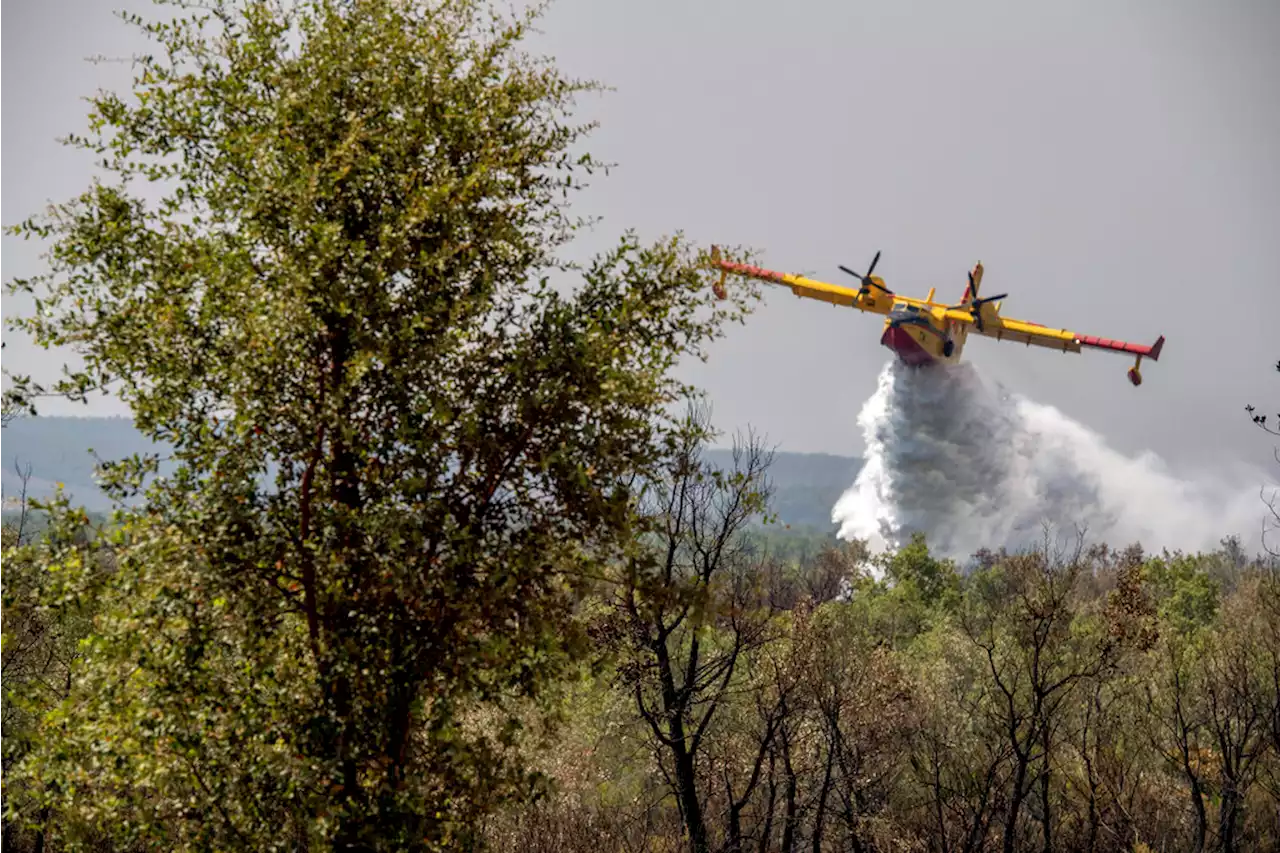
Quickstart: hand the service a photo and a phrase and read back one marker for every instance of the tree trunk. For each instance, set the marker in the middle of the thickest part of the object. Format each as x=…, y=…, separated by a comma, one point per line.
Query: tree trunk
x=1092, y=843
x=789, y=823
x=1015, y=806
x=766, y=833
x=39, y=843
x=733, y=843
x=822, y=801
x=686, y=782
x=353, y=823
x=1228, y=818
x=1046, y=817
x=939, y=814
x=1202, y=821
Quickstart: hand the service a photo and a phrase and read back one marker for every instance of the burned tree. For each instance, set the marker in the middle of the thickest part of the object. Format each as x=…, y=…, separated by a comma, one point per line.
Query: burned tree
x=691, y=606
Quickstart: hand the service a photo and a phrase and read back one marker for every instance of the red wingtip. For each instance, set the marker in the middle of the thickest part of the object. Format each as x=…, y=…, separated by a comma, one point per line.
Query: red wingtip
x=1152, y=352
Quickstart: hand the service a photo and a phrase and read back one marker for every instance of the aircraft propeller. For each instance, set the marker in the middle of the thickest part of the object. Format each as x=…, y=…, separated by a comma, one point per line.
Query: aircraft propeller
x=867, y=282
x=975, y=304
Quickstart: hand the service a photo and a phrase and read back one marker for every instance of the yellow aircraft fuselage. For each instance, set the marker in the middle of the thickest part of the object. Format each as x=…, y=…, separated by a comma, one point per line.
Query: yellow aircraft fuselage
x=923, y=332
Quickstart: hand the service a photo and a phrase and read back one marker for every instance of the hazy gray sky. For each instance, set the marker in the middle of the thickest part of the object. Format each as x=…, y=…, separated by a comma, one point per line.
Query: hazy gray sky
x=1115, y=165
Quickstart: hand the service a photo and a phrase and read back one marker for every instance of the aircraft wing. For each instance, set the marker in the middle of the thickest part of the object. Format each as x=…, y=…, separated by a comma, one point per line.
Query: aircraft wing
x=809, y=288
x=1034, y=334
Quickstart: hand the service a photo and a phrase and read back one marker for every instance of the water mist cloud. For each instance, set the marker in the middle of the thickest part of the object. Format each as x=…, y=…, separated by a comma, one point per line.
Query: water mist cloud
x=971, y=465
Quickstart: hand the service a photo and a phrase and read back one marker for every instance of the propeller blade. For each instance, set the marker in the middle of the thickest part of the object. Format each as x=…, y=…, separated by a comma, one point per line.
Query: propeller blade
x=866, y=279
x=975, y=305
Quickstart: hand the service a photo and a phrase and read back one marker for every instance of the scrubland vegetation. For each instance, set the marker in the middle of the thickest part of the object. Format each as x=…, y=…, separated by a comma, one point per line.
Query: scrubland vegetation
x=439, y=562
x=1077, y=699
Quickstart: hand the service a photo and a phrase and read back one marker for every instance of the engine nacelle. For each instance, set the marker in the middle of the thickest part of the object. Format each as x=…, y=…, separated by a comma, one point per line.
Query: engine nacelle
x=1135, y=376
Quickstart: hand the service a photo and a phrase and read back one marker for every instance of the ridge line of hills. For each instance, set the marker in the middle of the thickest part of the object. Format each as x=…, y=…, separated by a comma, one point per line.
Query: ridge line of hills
x=806, y=485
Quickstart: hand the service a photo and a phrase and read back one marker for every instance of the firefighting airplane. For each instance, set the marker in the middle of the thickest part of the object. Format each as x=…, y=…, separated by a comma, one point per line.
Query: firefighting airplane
x=921, y=331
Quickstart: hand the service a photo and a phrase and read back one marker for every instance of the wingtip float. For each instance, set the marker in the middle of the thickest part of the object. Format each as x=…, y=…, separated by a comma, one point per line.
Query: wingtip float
x=922, y=331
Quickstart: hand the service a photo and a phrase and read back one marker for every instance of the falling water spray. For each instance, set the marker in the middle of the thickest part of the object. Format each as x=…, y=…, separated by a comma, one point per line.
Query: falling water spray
x=957, y=457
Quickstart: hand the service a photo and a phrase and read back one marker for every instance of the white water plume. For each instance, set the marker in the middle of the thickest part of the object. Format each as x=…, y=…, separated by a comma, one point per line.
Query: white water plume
x=971, y=466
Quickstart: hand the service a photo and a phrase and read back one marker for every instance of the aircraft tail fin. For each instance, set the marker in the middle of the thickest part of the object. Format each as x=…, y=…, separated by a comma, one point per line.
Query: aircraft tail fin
x=972, y=285
x=1154, y=355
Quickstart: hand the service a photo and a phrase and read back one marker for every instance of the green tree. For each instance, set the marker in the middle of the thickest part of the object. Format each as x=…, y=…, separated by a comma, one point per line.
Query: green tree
x=916, y=590
x=319, y=266
x=1186, y=596
x=920, y=575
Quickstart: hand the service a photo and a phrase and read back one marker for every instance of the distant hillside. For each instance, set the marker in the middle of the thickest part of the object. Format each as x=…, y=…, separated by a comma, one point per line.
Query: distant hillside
x=806, y=485
x=57, y=450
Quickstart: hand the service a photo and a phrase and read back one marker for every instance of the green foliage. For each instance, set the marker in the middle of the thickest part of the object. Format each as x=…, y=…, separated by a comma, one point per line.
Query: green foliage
x=921, y=576
x=915, y=591
x=1185, y=594
x=54, y=568
x=1048, y=704
x=321, y=270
